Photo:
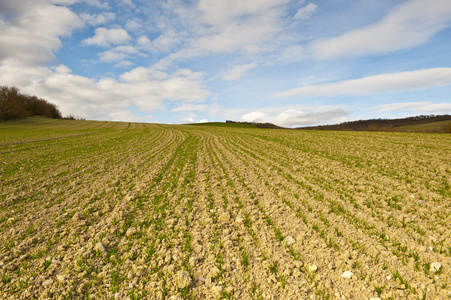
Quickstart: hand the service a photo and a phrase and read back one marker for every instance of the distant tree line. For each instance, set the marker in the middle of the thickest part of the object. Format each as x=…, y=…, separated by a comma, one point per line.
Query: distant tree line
x=384, y=124
x=368, y=125
x=258, y=125
x=15, y=105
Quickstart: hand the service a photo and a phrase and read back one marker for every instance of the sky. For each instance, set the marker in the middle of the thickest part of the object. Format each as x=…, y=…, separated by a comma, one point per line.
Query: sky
x=291, y=63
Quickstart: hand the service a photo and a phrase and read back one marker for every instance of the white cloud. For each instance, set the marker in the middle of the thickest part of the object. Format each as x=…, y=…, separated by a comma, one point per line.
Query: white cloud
x=62, y=69
x=118, y=53
x=126, y=49
x=124, y=64
x=128, y=3
x=144, y=42
x=410, y=24
x=255, y=116
x=166, y=41
x=220, y=12
x=133, y=25
x=106, y=37
x=295, y=117
x=96, y=3
x=250, y=34
x=289, y=54
x=383, y=83
x=98, y=19
x=186, y=121
x=31, y=33
x=105, y=99
x=48, y=20
x=190, y=107
x=238, y=71
x=62, y=2
x=416, y=107
x=220, y=26
x=112, y=56
x=306, y=12
x=141, y=75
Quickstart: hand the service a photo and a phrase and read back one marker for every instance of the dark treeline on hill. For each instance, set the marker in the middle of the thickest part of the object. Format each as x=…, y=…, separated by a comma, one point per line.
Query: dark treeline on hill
x=15, y=105
x=385, y=124
x=377, y=124
x=258, y=125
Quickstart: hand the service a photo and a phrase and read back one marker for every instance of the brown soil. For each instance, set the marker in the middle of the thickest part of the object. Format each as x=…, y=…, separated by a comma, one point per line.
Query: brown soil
x=142, y=211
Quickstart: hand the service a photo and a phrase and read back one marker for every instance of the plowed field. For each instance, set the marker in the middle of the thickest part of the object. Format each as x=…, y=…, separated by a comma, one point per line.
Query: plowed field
x=104, y=210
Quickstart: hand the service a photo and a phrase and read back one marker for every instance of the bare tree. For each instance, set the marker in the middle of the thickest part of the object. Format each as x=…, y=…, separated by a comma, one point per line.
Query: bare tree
x=14, y=105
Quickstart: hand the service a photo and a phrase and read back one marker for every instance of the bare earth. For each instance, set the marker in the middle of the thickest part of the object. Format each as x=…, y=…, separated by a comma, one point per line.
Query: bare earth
x=102, y=210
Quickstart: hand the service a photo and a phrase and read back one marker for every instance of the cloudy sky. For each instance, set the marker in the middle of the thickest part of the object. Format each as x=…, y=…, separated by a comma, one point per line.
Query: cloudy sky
x=290, y=62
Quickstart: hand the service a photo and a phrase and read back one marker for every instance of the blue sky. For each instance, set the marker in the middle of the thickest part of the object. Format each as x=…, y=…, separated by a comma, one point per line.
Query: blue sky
x=292, y=63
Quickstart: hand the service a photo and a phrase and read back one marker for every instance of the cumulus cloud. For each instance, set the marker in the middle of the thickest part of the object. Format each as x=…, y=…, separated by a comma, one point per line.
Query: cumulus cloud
x=186, y=121
x=165, y=42
x=416, y=107
x=208, y=27
x=106, y=37
x=410, y=24
x=289, y=54
x=96, y=3
x=117, y=53
x=190, y=107
x=294, y=117
x=124, y=64
x=128, y=3
x=144, y=42
x=220, y=26
x=238, y=71
x=62, y=69
x=142, y=74
x=98, y=19
x=256, y=116
x=133, y=25
x=30, y=36
x=108, y=98
x=250, y=35
x=219, y=12
x=112, y=56
x=383, y=83
x=306, y=12
x=31, y=33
